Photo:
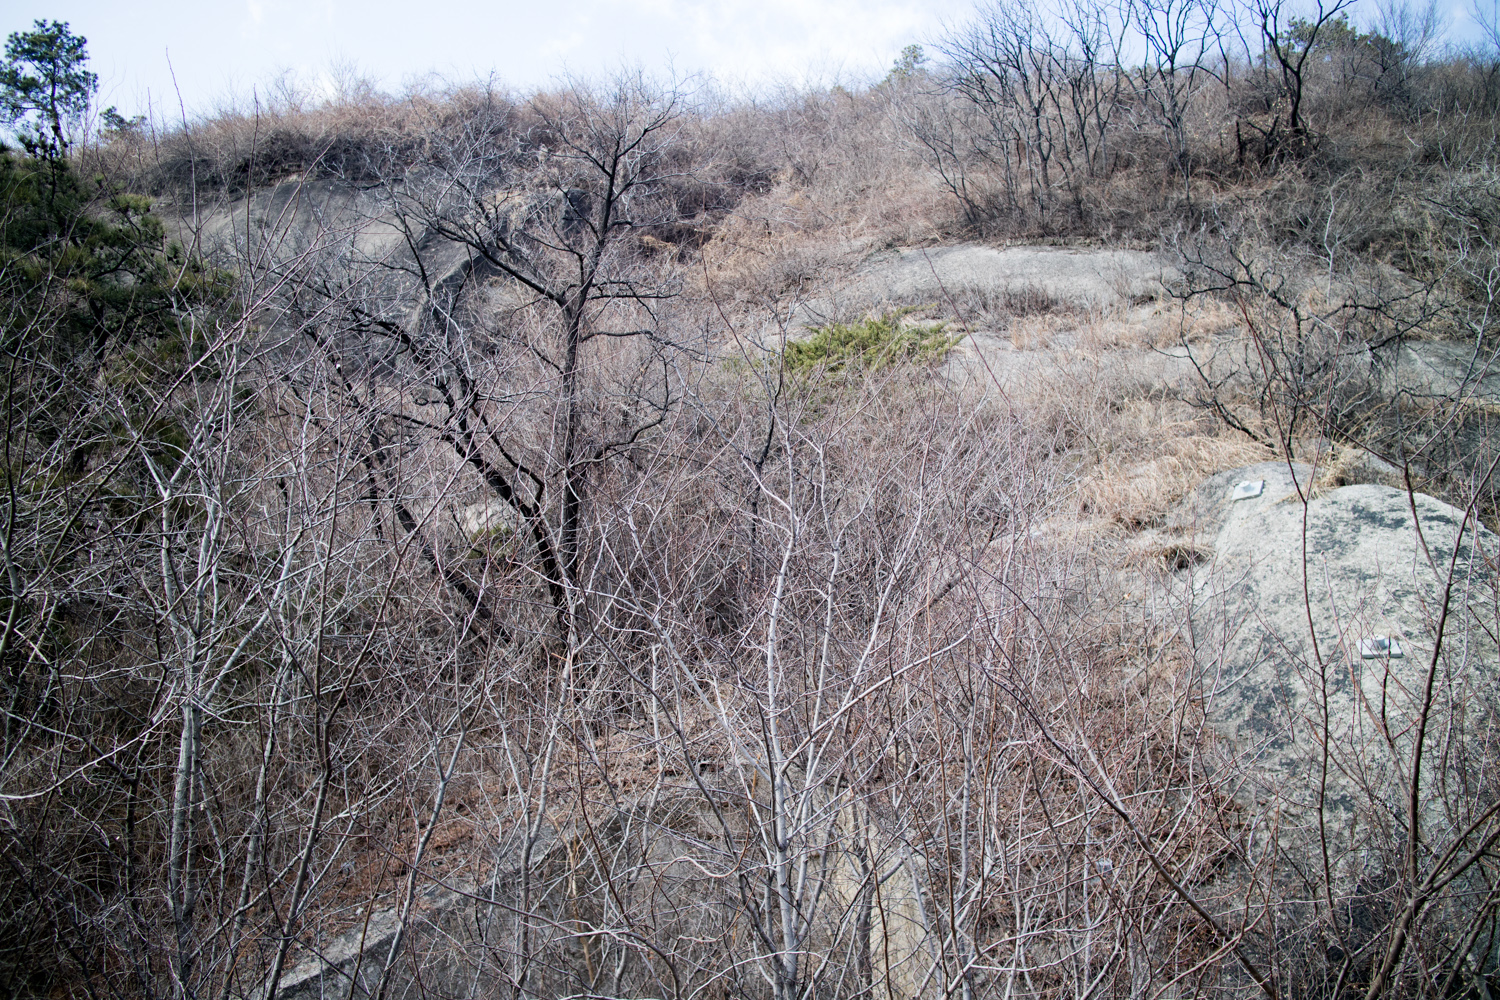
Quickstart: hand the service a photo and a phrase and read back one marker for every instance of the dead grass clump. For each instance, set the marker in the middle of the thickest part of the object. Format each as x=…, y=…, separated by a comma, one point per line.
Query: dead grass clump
x=1036, y=331
x=1165, y=325
x=1148, y=453
x=1172, y=556
x=751, y=262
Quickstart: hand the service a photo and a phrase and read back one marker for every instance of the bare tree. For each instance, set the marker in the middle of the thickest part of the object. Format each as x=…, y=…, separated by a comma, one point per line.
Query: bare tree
x=1289, y=58
x=553, y=200
x=1181, y=38
x=1047, y=103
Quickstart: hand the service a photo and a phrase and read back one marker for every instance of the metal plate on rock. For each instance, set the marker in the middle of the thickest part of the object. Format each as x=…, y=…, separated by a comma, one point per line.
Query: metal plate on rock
x=1248, y=490
x=1380, y=646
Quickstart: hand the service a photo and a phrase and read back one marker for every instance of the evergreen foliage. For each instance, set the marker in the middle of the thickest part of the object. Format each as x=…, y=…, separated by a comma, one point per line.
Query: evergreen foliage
x=871, y=344
x=45, y=86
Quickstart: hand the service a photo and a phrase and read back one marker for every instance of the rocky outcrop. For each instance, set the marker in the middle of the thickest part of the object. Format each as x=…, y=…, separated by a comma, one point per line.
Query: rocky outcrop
x=1077, y=277
x=490, y=520
x=351, y=964
x=1330, y=632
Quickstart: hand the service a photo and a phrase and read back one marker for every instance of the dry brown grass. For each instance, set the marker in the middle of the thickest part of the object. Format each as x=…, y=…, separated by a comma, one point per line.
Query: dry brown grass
x=1146, y=454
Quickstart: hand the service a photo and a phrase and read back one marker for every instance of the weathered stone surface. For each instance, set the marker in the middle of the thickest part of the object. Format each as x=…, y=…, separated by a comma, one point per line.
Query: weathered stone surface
x=1279, y=617
x=1077, y=276
x=1447, y=370
x=1076, y=280
x=1209, y=507
x=349, y=965
x=491, y=520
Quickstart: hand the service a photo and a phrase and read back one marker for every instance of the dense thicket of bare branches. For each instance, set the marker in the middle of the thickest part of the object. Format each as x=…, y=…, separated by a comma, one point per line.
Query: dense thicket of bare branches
x=467, y=568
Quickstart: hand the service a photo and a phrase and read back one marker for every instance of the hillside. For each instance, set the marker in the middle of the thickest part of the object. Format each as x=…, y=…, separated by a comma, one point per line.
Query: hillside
x=1019, y=528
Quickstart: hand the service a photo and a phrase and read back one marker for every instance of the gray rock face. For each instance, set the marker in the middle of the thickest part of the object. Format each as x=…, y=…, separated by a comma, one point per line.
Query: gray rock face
x=1449, y=370
x=1287, y=627
x=1073, y=278
x=1210, y=507
x=490, y=520
x=351, y=964
x=1081, y=277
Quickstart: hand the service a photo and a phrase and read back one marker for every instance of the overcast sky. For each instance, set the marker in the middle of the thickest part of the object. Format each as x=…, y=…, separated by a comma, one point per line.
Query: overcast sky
x=219, y=50
x=222, y=51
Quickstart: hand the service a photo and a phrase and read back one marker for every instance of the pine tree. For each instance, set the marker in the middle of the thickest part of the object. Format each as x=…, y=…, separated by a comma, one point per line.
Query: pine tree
x=46, y=87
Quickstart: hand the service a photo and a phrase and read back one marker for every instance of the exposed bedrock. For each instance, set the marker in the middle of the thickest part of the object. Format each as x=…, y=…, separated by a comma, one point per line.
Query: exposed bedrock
x=1346, y=642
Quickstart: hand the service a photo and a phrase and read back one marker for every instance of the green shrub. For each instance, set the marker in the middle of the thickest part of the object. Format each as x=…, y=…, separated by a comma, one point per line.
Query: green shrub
x=870, y=344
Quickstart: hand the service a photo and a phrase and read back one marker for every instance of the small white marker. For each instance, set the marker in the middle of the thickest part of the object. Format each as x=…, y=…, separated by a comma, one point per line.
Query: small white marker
x=1248, y=490
x=1378, y=646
